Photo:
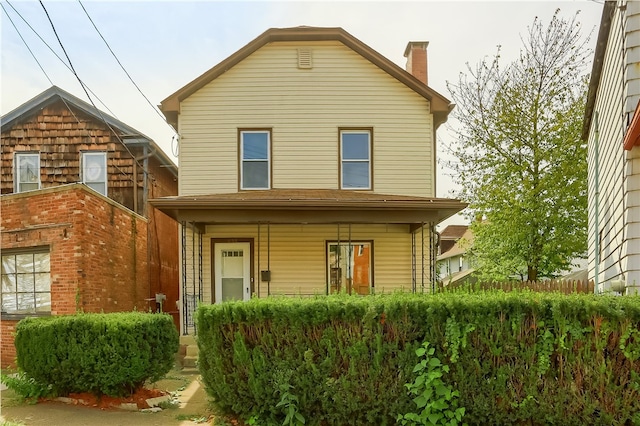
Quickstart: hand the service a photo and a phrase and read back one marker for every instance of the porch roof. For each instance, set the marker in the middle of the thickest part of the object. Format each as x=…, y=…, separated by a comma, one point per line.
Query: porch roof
x=319, y=206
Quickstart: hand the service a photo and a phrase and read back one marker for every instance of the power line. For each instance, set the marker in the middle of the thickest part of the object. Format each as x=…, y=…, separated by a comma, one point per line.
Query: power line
x=51, y=49
x=25, y=43
x=122, y=66
x=87, y=93
x=51, y=82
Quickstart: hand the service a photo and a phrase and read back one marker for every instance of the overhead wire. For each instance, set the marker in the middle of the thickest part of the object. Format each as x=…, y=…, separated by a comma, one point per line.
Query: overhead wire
x=123, y=68
x=37, y=62
x=50, y=48
x=51, y=82
x=87, y=93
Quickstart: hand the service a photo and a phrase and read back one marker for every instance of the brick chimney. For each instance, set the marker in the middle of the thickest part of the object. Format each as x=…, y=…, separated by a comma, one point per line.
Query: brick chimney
x=416, y=54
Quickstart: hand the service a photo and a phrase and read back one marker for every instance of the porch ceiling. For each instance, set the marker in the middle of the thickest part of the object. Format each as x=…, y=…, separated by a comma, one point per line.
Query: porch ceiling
x=308, y=206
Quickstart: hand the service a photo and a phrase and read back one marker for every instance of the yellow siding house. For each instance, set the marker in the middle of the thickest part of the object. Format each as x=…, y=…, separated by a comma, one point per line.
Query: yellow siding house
x=307, y=166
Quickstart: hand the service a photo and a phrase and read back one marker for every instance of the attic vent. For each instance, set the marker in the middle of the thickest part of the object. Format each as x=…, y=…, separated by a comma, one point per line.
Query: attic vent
x=305, y=61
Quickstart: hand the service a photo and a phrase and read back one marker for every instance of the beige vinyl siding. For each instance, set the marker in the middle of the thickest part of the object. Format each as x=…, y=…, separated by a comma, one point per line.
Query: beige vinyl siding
x=297, y=258
x=305, y=109
x=617, y=227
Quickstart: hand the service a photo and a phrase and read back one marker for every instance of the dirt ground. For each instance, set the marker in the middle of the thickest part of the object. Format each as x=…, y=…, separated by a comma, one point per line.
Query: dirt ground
x=190, y=407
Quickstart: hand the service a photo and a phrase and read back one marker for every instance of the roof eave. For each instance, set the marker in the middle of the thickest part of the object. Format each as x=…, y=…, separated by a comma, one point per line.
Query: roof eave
x=598, y=61
x=438, y=210
x=440, y=105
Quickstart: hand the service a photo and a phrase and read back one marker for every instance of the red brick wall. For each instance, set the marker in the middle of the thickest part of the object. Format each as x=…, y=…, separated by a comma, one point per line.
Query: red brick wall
x=98, y=251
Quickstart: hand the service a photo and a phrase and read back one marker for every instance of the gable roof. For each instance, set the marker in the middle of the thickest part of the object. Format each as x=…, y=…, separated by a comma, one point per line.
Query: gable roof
x=440, y=105
x=463, y=243
x=130, y=136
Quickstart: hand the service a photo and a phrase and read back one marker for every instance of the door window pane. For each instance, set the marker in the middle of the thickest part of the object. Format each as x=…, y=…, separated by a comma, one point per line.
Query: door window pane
x=232, y=288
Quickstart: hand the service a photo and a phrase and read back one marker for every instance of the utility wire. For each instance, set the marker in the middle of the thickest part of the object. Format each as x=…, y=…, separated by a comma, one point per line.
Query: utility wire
x=87, y=93
x=25, y=43
x=38, y=62
x=123, y=68
x=51, y=82
x=51, y=49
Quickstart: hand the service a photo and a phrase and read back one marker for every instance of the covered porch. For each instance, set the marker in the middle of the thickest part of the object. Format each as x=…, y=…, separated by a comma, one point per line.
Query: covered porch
x=303, y=243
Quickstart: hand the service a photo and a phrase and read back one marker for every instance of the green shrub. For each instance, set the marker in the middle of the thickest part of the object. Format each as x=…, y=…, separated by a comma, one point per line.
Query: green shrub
x=514, y=358
x=110, y=354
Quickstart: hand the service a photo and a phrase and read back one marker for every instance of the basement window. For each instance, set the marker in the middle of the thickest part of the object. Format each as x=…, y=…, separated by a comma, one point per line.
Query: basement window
x=26, y=281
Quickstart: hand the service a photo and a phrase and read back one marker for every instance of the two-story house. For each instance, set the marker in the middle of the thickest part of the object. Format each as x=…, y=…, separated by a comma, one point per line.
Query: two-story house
x=77, y=233
x=612, y=130
x=307, y=166
x=453, y=263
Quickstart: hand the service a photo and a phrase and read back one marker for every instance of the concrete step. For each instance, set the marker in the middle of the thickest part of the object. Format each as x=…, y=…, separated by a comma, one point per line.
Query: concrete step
x=188, y=353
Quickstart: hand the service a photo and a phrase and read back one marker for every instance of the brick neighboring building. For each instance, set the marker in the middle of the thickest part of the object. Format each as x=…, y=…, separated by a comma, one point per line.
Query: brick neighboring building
x=77, y=232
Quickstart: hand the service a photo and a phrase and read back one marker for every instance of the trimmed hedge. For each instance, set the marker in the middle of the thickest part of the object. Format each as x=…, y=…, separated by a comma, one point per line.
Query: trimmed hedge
x=111, y=354
x=515, y=358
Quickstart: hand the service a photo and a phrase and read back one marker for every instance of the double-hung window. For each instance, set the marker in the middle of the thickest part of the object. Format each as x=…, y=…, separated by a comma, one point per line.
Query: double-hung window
x=355, y=159
x=350, y=266
x=27, y=171
x=94, y=170
x=26, y=281
x=255, y=159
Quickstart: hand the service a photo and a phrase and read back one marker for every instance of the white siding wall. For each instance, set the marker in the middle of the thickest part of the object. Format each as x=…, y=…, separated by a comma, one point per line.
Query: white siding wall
x=616, y=227
x=305, y=108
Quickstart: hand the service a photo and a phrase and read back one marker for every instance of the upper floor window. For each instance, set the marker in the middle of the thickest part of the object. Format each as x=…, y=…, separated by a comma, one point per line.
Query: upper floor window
x=26, y=281
x=94, y=171
x=355, y=159
x=255, y=159
x=27, y=171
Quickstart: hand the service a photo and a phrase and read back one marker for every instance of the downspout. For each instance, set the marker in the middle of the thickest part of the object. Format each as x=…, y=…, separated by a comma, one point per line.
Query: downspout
x=597, y=204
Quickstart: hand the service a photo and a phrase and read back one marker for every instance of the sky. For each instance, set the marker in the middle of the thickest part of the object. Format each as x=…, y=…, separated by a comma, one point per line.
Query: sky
x=163, y=45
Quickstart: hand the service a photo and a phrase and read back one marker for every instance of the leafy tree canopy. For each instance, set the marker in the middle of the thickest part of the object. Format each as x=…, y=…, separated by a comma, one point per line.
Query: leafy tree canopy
x=520, y=158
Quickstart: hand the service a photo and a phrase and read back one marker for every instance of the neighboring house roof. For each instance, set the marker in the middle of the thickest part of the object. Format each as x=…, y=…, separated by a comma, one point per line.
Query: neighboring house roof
x=440, y=105
x=453, y=232
x=458, y=276
x=130, y=136
x=598, y=62
x=307, y=206
x=460, y=247
x=580, y=275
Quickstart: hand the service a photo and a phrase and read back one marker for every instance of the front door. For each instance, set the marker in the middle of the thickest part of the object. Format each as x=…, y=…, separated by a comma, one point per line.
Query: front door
x=232, y=269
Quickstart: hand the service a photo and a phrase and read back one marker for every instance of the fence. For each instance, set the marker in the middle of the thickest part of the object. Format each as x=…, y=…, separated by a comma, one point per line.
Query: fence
x=560, y=286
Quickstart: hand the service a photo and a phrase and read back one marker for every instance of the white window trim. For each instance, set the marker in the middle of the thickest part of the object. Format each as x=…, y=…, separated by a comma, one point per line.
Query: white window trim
x=16, y=169
x=103, y=157
x=368, y=161
x=242, y=159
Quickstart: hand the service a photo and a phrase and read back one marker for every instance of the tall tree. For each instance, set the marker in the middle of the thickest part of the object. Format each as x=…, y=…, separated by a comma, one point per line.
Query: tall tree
x=520, y=159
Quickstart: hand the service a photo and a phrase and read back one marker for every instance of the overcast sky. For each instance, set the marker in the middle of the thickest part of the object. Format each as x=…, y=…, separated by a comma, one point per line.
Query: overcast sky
x=165, y=44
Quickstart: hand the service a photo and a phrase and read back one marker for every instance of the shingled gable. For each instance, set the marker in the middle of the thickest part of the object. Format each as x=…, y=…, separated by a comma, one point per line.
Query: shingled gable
x=129, y=135
x=440, y=106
